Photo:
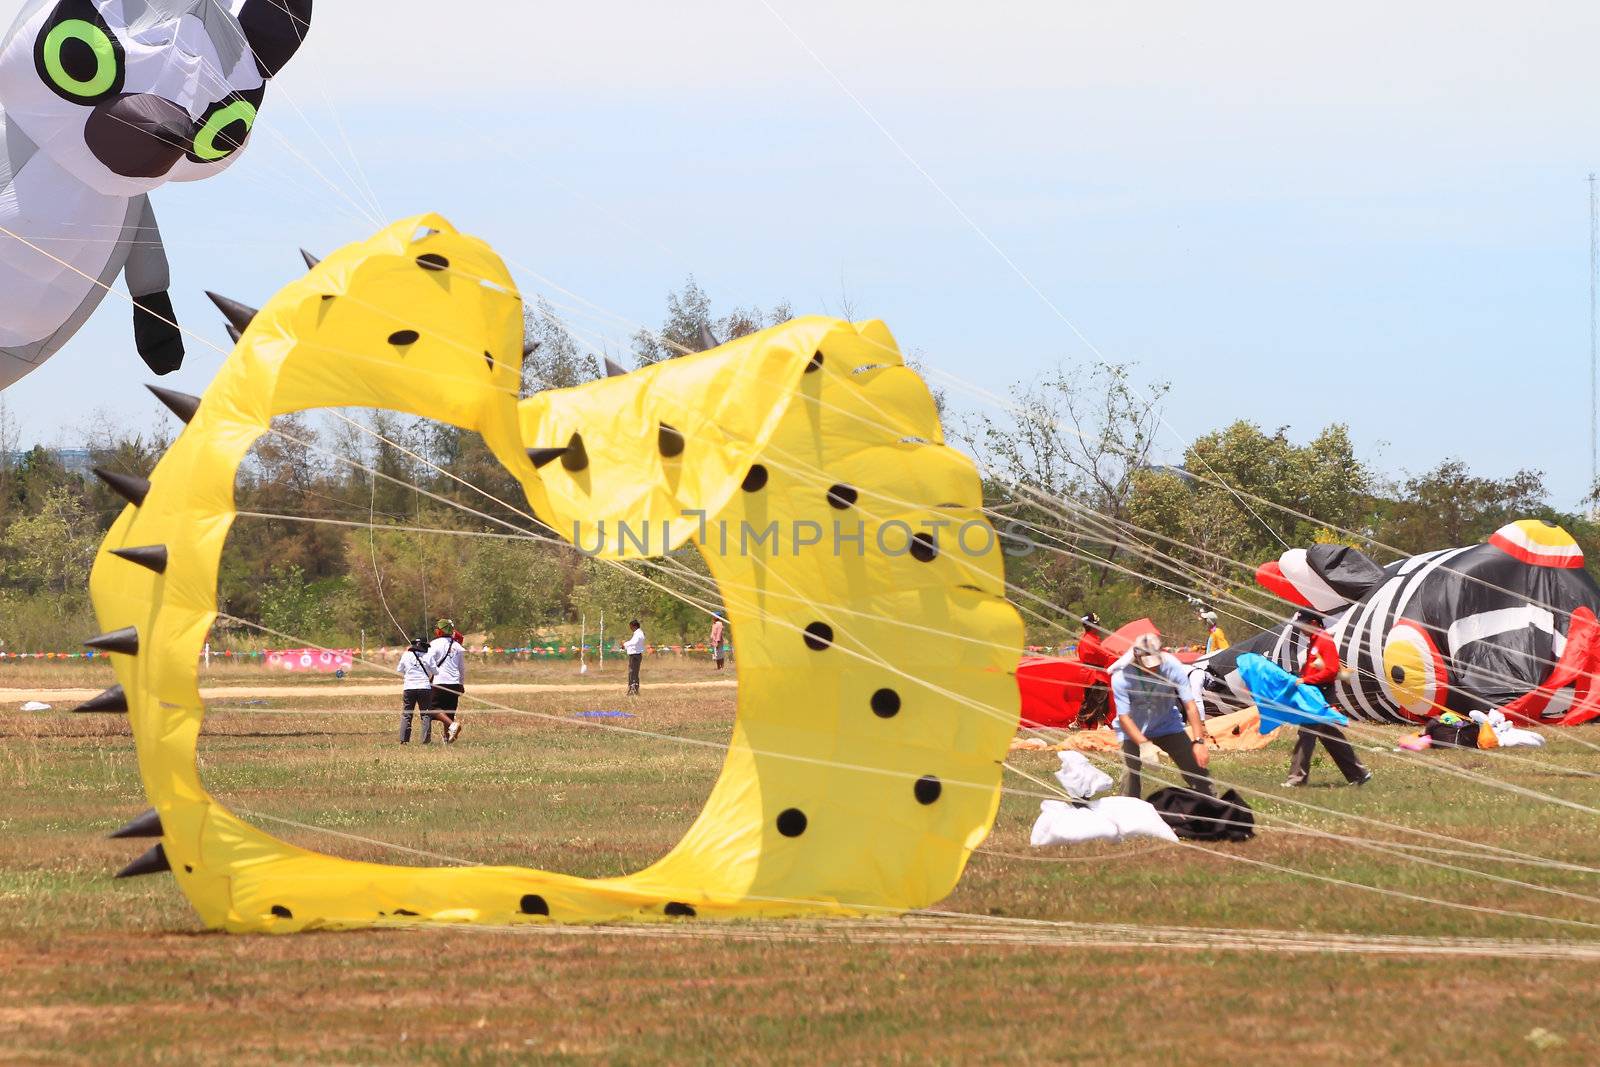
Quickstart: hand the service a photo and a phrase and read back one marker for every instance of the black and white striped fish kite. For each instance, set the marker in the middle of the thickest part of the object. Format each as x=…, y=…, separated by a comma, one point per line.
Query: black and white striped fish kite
x=1510, y=623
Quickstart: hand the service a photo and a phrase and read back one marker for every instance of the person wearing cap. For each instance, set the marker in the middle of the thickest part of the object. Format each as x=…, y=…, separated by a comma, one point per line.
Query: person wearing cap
x=1321, y=671
x=448, y=658
x=1216, y=640
x=716, y=641
x=1150, y=687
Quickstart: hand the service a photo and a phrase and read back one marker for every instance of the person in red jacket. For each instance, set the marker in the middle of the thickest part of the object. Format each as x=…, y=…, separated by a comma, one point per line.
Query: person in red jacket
x=1095, y=710
x=1321, y=670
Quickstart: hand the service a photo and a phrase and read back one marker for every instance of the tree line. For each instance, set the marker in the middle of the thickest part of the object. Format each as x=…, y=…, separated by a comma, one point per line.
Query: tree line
x=369, y=529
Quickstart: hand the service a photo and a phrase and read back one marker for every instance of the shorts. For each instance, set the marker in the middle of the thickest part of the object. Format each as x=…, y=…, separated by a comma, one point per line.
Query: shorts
x=418, y=699
x=447, y=695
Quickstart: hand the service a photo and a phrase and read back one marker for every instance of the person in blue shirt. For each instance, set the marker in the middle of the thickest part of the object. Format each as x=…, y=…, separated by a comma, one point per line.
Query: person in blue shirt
x=1149, y=687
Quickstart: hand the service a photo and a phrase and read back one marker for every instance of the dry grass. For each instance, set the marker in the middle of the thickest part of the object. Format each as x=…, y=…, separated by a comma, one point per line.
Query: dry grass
x=94, y=970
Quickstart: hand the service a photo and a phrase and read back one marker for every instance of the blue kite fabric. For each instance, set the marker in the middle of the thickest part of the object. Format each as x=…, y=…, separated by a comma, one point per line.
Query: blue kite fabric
x=1281, y=698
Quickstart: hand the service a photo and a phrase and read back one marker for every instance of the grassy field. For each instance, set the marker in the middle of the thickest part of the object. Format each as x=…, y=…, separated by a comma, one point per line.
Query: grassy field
x=93, y=970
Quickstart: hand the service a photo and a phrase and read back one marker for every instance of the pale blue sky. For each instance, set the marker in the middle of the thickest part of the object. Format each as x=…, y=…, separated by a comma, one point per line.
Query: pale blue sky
x=1295, y=216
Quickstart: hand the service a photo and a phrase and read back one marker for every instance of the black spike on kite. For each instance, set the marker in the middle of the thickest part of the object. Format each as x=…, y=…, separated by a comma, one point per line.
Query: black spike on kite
x=113, y=701
x=575, y=458
x=708, y=340
x=613, y=369
x=529, y=348
x=541, y=456
x=152, y=862
x=146, y=825
x=127, y=486
x=670, y=441
x=311, y=260
x=125, y=640
x=150, y=557
x=180, y=404
x=237, y=314
x=233, y=334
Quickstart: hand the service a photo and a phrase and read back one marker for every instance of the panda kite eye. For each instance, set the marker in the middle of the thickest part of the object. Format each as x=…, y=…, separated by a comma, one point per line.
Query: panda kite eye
x=78, y=58
x=222, y=130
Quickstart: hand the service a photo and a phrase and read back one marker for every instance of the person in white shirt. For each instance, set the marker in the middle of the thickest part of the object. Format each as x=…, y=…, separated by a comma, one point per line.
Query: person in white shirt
x=416, y=691
x=448, y=658
x=634, y=647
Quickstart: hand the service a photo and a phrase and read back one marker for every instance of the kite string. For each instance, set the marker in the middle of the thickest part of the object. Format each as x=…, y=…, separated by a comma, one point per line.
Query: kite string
x=13, y=235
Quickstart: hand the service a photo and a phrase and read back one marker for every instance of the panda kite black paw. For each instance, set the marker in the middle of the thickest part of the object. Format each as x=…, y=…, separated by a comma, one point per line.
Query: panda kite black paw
x=155, y=333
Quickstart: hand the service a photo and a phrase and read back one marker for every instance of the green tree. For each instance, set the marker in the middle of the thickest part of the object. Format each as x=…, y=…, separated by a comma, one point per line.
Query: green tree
x=1221, y=502
x=1449, y=506
x=556, y=361
x=52, y=548
x=690, y=324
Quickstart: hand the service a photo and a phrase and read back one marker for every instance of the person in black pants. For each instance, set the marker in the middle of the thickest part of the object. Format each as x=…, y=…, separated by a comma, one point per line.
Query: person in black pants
x=634, y=647
x=1148, y=686
x=1321, y=671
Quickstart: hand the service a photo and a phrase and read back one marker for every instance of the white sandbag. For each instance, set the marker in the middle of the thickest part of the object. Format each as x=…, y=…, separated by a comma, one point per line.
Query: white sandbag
x=1507, y=733
x=1133, y=817
x=1080, y=778
x=1150, y=754
x=1512, y=737
x=1060, y=823
x=34, y=705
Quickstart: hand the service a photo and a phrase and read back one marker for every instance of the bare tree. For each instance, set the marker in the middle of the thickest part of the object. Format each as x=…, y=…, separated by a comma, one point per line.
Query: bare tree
x=1079, y=433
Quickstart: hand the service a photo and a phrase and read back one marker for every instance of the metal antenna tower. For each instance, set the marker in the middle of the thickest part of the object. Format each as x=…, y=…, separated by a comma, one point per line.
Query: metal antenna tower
x=1594, y=323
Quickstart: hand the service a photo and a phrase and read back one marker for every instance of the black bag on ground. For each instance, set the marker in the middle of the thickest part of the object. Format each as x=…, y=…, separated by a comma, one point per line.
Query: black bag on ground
x=1201, y=818
x=1453, y=734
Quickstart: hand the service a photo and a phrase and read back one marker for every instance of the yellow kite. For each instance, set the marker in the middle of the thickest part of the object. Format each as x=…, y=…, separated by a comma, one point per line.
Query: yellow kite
x=876, y=697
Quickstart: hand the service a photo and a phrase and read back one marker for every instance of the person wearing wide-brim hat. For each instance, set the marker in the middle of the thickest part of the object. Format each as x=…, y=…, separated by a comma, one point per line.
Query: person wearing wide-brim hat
x=1155, y=705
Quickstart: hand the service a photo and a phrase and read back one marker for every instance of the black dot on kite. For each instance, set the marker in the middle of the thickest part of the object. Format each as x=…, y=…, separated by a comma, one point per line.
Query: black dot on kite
x=927, y=789
x=815, y=364
x=405, y=911
x=433, y=261
x=886, y=703
x=401, y=338
x=534, y=904
x=924, y=548
x=791, y=822
x=1398, y=673
x=282, y=912
x=488, y=361
x=842, y=496
x=188, y=869
x=819, y=635
x=756, y=479
x=678, y=908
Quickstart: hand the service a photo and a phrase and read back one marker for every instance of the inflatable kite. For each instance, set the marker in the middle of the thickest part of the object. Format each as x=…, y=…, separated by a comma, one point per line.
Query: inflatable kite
x=102, y=101
x=1509, y=624
x=1055, y=689
x=1281, y=699
x=876, y=698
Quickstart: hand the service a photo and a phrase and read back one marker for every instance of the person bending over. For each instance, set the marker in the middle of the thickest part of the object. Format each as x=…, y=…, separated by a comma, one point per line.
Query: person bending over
x=1149, y=686
x=1321, y=670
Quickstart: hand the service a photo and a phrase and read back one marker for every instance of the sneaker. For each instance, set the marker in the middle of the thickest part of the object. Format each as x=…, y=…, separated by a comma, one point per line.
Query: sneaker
x=1294, y=783
x=450, y=734
x=1363, y=780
